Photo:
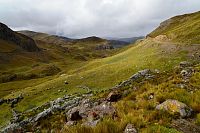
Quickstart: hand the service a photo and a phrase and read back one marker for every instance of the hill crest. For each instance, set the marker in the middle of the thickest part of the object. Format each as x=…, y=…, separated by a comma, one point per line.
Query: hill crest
x=21, y=40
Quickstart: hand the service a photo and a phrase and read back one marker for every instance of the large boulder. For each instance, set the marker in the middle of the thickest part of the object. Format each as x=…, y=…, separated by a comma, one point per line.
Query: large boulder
x=175, y=107
x=105, y=108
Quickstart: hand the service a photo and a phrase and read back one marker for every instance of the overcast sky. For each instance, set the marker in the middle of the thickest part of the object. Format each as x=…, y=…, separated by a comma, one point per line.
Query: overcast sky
x=82, y=18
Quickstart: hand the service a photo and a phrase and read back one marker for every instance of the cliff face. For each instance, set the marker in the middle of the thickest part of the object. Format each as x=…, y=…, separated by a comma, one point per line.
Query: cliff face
x=23, y=41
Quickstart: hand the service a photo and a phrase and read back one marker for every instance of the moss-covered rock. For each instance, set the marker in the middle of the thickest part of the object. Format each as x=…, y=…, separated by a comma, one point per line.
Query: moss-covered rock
x=175, y=107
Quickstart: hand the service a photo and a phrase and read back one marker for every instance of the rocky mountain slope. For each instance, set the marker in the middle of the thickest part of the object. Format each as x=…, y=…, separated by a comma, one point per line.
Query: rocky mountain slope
x=26, y=43
x=153, y=86
x=26, y=55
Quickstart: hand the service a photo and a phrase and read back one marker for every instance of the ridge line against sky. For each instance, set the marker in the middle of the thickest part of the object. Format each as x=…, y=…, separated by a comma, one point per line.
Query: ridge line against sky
x=82, y=18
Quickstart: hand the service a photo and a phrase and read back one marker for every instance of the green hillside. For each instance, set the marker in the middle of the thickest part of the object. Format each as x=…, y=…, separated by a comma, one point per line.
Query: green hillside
x=183, y=28
x=57, y=53
x=83, y=66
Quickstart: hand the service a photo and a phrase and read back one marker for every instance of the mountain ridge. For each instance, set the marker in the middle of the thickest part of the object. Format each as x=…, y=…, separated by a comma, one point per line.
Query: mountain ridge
x=21, y=40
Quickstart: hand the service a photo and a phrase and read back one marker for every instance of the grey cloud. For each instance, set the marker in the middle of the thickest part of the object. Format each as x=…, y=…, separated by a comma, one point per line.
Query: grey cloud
x=81, y=18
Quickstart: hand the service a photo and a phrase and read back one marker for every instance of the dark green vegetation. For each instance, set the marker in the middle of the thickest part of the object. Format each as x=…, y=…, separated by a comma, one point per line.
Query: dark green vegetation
x=80, y=63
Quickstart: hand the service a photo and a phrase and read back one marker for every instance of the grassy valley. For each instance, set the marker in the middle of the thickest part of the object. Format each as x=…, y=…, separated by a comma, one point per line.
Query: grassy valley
x=78, y=67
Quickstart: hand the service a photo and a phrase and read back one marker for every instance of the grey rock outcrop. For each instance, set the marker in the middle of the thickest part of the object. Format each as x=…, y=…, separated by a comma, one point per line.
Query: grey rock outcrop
x=185, y=126
x=140, y=75
x=175, y=107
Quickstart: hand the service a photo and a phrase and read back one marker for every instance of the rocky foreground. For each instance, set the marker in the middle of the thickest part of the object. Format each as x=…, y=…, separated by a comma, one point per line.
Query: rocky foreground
x=89, y=111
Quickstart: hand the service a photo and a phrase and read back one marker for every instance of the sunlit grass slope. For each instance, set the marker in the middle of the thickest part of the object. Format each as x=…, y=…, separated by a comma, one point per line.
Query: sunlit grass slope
x=99, y=74
x=183, y=28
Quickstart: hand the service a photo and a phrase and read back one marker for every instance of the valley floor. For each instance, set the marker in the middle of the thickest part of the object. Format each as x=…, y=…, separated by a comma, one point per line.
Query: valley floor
x=99, y=76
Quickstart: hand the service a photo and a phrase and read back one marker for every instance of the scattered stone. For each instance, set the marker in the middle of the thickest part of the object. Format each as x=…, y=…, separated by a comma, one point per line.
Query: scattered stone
x=182, y=86
x=15, y=116
x=113, y=96
x=71, y=123
x=13, y=128
x=42, y=115
x=184, y=73
x=143, y=75
x=151, y=96
x=62, y=75
x=105, y=108
x=49, y=109
x=59, y=100
x=130, y=129
x=157, y=71
x=187, y=73
x=185, y=126
x=184, y=64
x=13, y=102
x=175, y=107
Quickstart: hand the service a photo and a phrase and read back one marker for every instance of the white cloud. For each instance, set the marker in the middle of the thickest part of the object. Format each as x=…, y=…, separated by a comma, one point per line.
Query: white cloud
x=81, y=18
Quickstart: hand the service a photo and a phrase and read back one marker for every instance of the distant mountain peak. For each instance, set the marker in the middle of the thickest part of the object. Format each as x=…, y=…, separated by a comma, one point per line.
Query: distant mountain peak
x=92, y=38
